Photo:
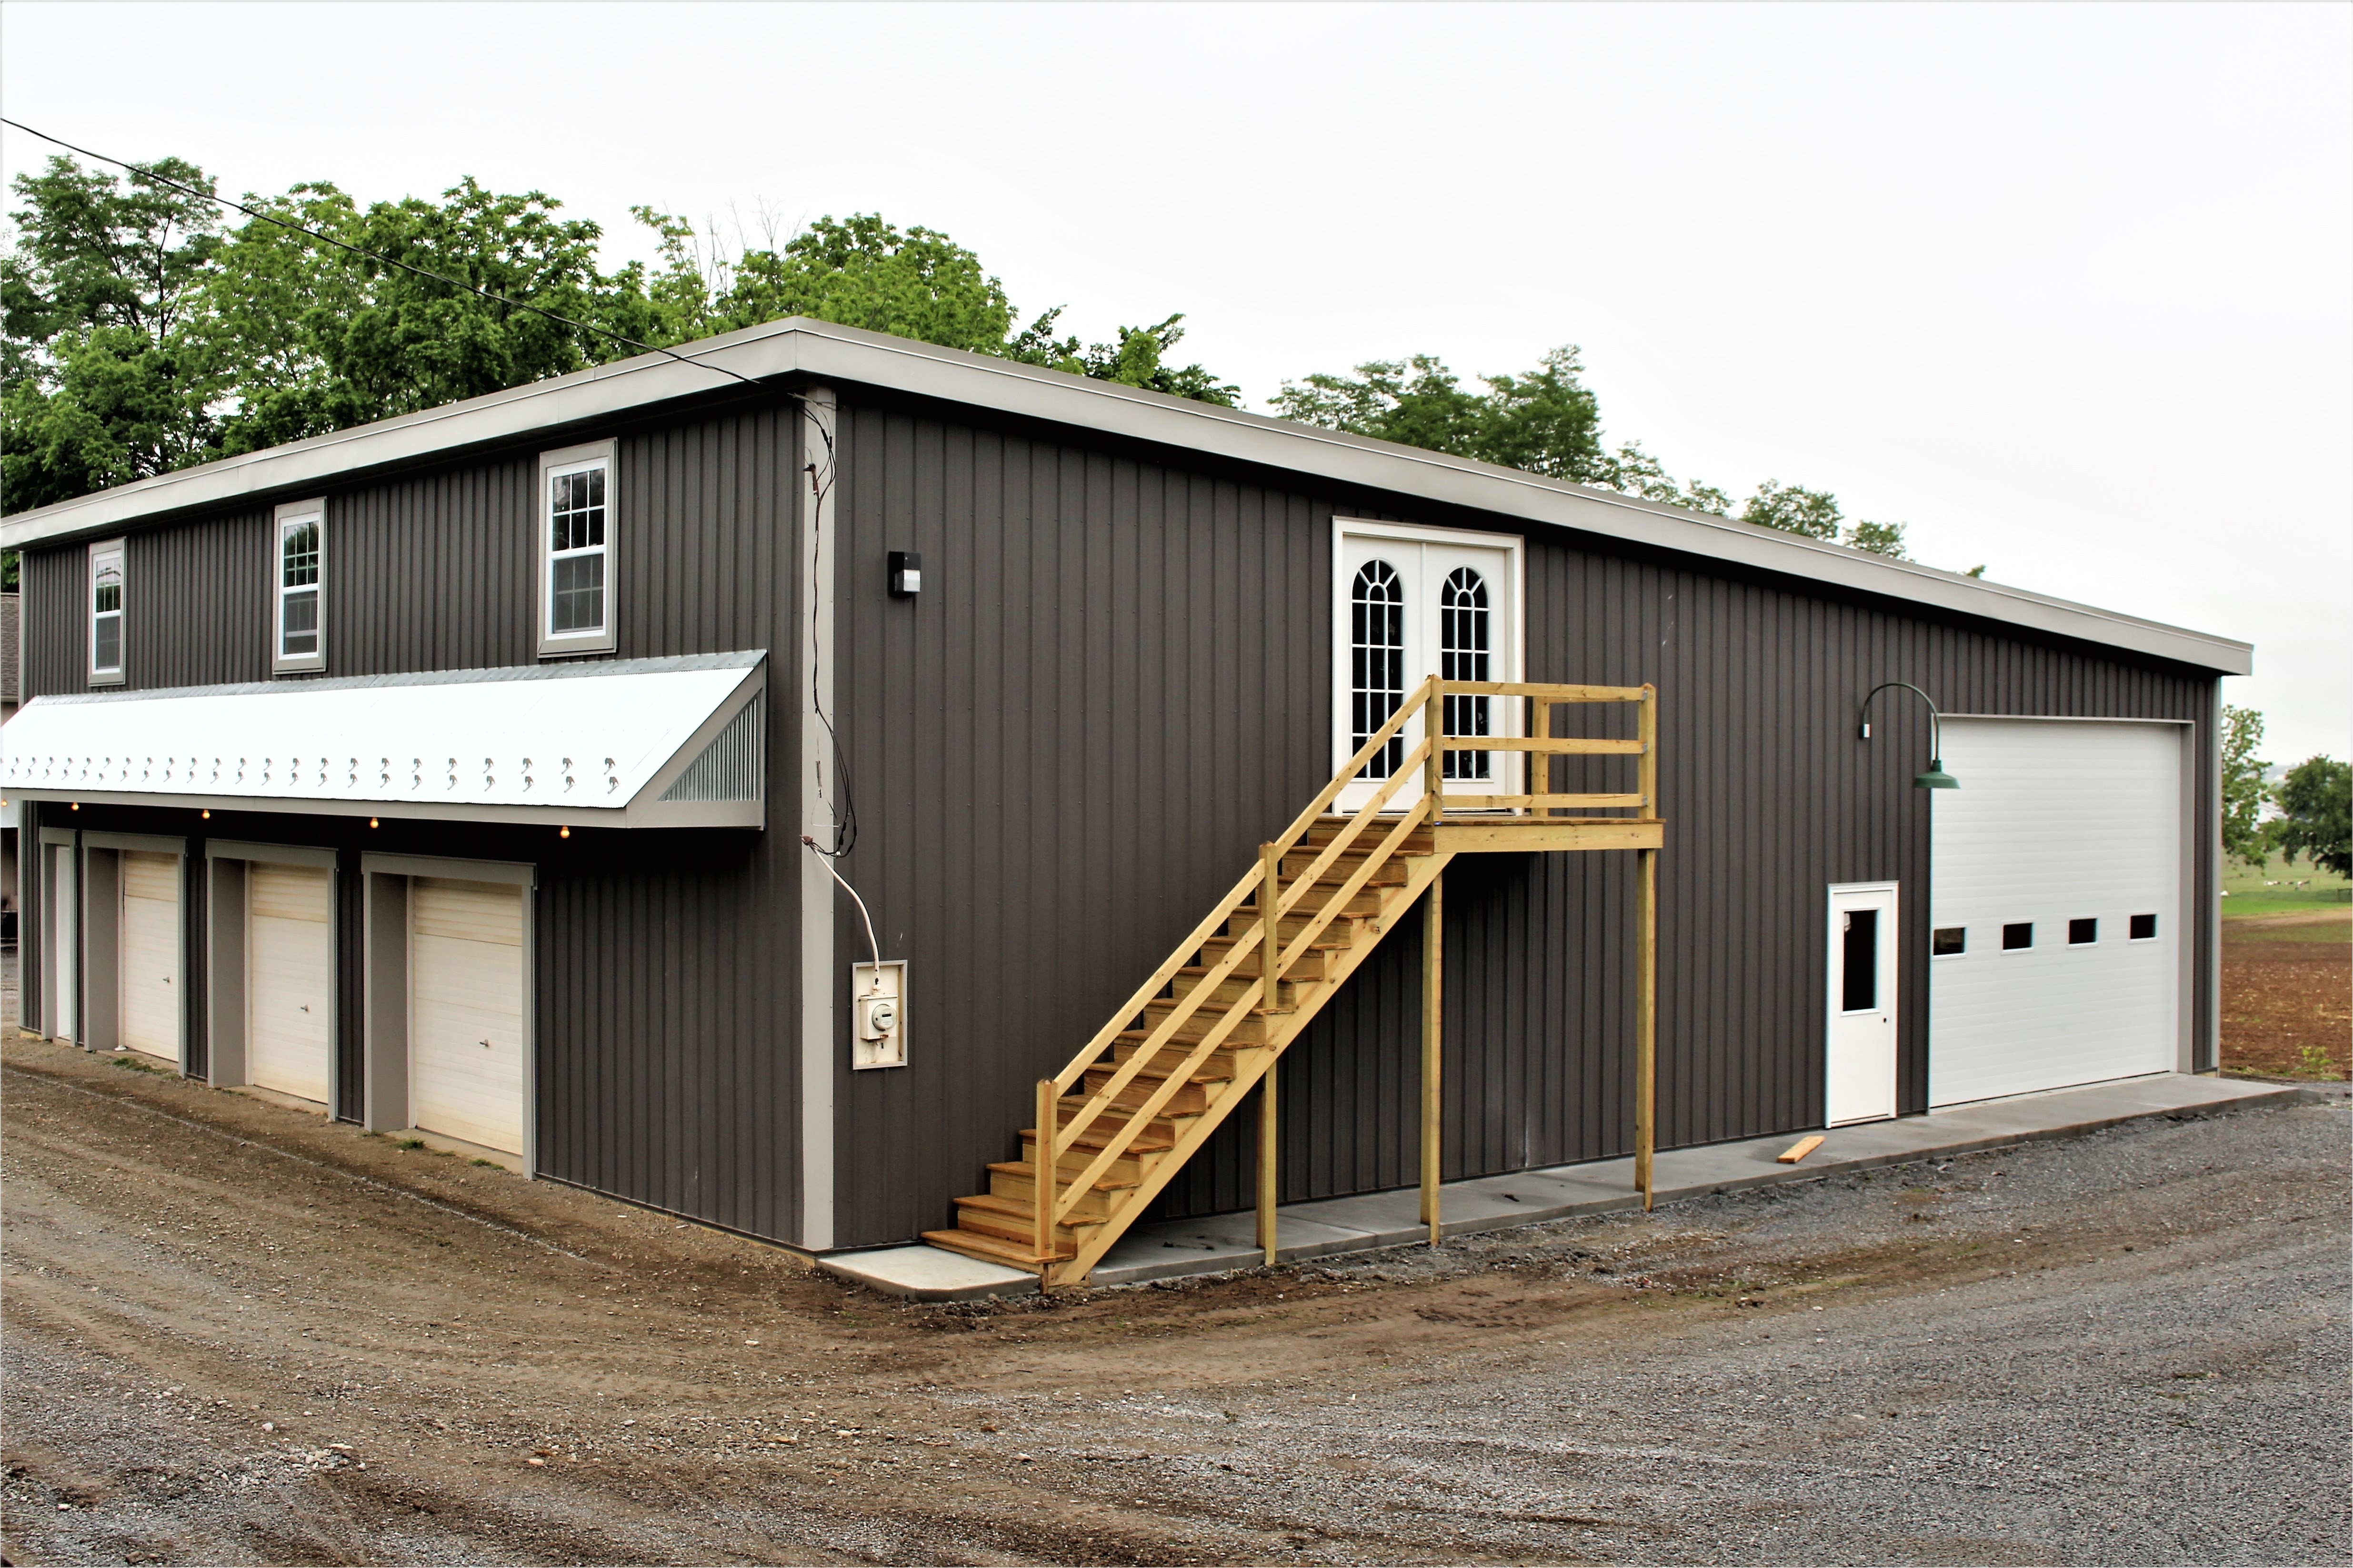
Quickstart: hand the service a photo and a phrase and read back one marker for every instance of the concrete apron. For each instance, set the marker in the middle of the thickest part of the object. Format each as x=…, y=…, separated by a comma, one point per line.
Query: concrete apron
x=1370, y=1221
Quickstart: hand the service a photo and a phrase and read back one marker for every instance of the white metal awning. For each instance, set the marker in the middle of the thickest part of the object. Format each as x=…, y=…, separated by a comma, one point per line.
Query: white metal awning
x=645, y=743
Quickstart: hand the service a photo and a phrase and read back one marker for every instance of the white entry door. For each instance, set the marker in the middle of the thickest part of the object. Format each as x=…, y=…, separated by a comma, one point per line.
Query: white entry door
x=1413, y=602
x=1860, y=1051
x=149, y=958
x=464, y=1020
x=287, y=961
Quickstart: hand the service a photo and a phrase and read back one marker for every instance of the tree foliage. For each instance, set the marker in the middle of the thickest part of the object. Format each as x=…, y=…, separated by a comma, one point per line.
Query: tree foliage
x=2244, y=793
x=2315, y=819
x=142, y=334
x=1549, y=422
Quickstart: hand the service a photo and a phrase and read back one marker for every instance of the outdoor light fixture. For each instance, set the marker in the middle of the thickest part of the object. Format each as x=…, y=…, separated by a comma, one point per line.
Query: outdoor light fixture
x=371, y=820
x=906, y=574
x=208, y=814
x=564, y=833
x=1935, y=777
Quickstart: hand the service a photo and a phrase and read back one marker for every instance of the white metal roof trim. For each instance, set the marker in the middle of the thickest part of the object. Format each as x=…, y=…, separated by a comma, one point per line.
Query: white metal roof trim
x=584, y=669
x=825, y=350
x=589, y=742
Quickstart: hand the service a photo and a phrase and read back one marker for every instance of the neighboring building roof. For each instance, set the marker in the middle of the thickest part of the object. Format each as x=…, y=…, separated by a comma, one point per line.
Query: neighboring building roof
x=819, y=351
x=634, y=742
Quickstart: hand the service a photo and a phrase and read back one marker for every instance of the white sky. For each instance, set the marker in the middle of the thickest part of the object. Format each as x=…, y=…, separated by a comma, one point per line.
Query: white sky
x=2069, y=290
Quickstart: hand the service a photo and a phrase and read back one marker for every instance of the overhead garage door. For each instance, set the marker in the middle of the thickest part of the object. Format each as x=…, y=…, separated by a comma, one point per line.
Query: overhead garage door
x=2055, y=890
x=149, y=955
x=289, y=962
x=465, y=1049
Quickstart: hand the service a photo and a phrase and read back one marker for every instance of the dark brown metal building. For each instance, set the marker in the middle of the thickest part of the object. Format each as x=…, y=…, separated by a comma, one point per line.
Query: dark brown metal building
x=498, y=728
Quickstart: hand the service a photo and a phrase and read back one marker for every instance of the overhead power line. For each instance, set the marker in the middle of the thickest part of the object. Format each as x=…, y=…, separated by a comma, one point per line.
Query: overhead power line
x=256, y=213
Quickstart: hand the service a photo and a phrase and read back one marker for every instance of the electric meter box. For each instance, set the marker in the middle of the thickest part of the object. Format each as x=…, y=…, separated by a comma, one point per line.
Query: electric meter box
x=878, y=1013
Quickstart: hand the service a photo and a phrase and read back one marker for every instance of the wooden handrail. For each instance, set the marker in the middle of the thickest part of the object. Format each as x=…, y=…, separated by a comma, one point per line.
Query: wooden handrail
x=1278, y=898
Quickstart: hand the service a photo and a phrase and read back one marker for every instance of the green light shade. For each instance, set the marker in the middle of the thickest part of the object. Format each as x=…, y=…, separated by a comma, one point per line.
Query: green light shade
x=1935, y=777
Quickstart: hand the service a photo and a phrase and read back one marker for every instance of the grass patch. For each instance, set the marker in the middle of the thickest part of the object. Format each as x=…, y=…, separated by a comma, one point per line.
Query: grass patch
x=494, y=1165
x=412, y=1143
x=133, y=1064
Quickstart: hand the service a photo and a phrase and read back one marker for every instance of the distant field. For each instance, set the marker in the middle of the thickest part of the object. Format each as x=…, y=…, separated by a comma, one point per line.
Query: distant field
x=2246, y=891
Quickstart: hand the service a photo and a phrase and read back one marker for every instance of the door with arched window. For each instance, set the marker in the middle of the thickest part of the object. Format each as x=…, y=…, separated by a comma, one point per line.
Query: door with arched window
x=1416, y=601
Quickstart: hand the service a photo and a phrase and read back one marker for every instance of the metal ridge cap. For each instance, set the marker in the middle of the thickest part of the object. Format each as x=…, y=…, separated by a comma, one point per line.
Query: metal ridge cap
x=486, y=676
x=1836, y=562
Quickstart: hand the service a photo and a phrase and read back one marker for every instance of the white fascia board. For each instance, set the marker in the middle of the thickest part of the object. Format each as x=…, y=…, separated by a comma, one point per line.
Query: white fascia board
x=837, y=353
x=486, y=745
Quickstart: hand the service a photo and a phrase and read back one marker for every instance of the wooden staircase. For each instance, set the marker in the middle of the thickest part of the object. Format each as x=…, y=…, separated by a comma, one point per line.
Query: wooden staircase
x=1147, y=1092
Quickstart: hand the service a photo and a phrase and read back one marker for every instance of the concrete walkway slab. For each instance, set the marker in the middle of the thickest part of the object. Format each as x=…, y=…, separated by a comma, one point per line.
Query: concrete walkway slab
x=1367, y=1221
x=927, y=1273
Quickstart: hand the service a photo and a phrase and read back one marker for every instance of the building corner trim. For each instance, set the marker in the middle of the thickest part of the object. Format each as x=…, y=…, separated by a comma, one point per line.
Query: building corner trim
x=813, y=619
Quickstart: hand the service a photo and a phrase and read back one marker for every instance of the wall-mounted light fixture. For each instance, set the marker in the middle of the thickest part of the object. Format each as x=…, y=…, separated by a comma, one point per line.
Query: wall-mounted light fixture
x=906, y=574
x=1935, y=777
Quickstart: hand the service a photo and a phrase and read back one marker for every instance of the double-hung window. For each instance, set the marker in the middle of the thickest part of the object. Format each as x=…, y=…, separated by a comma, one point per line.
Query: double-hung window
x=300, y=573
x=106, y=614
x=576, y=528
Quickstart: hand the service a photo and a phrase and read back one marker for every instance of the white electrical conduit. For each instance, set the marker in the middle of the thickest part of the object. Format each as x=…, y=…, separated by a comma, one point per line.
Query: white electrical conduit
x=873, y=947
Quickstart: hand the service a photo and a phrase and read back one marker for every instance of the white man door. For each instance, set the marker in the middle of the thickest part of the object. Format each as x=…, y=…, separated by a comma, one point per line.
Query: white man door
x=1411, y=603
x=1859, y=1049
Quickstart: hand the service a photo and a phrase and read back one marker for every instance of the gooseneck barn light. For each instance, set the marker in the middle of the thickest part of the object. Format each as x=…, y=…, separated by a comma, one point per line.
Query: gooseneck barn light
x=1935, y=777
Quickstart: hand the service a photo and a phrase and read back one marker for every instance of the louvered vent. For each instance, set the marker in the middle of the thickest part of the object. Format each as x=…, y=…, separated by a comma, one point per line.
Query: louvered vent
x=729, y=768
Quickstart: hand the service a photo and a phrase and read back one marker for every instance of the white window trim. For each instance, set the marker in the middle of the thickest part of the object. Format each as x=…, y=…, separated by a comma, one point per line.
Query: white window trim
x=97, y=677
x=571, y=459
x=282, y=662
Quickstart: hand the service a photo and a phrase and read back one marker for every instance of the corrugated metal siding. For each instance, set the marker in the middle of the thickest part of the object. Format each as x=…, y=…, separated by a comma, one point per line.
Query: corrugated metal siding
x=1115, y=684
x=666, y=967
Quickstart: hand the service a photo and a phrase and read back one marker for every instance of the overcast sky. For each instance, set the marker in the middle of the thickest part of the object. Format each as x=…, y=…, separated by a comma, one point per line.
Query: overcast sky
x=2067, y=289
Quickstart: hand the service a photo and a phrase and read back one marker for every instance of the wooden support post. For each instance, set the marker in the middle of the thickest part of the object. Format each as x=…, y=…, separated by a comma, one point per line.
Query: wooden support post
x=1270, y=930
x=1433, y=770
x=1433, y=968
x=1646, y=1017
x=1044, y=1170
x=1539, y=779
x=1646, y=961
x=1269, y=1132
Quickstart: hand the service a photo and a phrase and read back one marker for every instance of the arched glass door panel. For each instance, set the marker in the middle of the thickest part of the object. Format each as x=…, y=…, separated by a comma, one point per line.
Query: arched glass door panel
x=1466, y=652
x=1377, y=660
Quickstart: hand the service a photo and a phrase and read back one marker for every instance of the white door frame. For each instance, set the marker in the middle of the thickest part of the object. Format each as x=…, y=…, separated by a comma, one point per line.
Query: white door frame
x=1865, y=1101
x=1513, y=663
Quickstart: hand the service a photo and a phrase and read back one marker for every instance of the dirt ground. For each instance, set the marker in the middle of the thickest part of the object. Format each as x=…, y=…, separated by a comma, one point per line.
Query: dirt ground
x=2287, y=995
x=234, y=1333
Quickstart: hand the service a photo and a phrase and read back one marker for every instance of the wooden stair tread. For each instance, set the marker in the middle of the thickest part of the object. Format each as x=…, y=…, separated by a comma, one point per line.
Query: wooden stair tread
x=1105, y=1182
x=990, y=1248
x=1098, y=1138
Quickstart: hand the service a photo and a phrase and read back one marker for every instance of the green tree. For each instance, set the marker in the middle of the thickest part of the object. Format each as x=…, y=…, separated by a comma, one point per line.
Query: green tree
x=2244, y=793
x=2315, y=820
x=100, y=382
x=315, y=338
x=1545, y=421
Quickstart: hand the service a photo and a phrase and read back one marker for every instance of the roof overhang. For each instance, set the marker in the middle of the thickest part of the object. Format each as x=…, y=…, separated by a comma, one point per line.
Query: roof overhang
x=821, y=350
x=644, y=743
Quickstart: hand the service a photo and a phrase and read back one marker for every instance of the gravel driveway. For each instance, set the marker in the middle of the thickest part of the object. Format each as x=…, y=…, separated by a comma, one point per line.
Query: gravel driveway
x=233, y=1333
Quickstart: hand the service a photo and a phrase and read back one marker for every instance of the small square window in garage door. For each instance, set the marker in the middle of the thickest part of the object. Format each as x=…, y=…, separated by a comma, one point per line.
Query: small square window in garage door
x=465, y=1045
x=2057, y=825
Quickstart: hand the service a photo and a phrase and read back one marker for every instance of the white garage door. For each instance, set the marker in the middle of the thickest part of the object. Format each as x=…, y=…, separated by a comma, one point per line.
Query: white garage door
x=465, y=1047
x=2056, y=884
x=288, y=963
x=151, y=953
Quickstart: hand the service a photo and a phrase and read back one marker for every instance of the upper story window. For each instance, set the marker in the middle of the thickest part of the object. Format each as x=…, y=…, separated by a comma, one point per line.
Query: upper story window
x=300, y=576
x=576, y=526
x=106, y=614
